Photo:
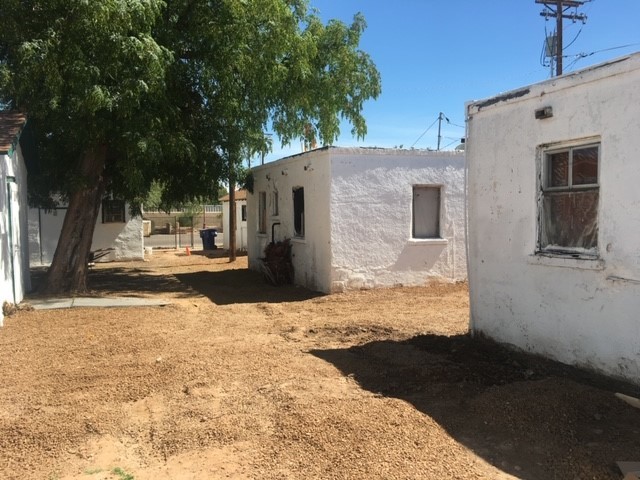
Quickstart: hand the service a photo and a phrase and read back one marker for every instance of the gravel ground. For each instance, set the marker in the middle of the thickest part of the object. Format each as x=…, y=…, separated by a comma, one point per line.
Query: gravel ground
x=239, y=379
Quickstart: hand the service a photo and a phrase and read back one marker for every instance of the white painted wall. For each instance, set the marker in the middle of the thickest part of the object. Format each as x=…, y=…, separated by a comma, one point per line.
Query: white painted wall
x=577, y=311
x=371, y=218
x=241, y=226
x=311, y=254
x=126, y=239
x=358, y=215
x=15, y=279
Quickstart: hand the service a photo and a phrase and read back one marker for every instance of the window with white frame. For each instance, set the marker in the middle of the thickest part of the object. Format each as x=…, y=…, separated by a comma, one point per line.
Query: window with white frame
x=113, y=211
x=298, y=211
x=262, y=212
x=569, y=203
x=426, y=211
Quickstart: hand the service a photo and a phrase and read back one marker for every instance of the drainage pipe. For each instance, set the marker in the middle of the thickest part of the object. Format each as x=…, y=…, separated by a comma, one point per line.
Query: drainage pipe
x=273, y=225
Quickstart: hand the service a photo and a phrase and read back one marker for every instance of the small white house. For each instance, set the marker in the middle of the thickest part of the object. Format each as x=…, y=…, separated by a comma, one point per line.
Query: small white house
x=118, y=236
x=554, y=228
x=241, y=220
x=362, y=217
x=14, y=255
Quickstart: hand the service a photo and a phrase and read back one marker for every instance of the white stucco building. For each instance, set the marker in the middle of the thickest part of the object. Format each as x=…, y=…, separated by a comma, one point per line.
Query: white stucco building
x=118, y=236
x=241, y=220
x=14, y=254
x=362, y=217
x=554, y=229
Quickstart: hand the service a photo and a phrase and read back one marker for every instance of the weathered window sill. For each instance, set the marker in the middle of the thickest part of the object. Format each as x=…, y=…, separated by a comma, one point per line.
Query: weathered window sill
x=416, y=242
x=551, y=260
x=615, y=278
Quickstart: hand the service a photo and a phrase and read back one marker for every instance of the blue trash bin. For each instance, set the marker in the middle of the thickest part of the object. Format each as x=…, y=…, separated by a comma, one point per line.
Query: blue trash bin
x=208, y=236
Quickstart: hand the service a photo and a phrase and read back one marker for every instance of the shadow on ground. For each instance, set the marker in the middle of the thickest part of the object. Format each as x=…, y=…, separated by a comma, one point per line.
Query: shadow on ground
x=123, y=282
x=242, y=286
x=521, y=413
x=222, y=288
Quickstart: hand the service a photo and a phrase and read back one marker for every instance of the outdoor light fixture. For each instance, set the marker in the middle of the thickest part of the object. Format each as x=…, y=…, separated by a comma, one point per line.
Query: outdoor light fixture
x=284, y=172
x=268, y=177
x=544, y=112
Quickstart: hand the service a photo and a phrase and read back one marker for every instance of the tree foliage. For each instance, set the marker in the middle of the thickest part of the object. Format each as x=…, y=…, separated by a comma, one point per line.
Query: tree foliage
x=85, y=73
x=174, y=92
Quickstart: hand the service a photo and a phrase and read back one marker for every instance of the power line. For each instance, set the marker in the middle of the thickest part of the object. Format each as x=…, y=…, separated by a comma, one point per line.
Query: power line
x=574, y=38
x=441, y=116
x=553, y=47
x=579, y=56
x=423, y=133
x=561, y=7
x=455, y=125
x=582, y=55
x=449, y=144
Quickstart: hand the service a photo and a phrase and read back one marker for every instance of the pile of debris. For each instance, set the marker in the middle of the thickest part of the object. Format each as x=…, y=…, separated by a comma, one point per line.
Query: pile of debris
x=9, y=308
x=277, y=266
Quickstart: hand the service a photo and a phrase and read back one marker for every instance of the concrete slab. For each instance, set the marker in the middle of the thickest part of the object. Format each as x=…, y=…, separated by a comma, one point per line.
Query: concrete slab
x=50, y=303
x=104, y=302
x=633, y=401
x=94, y=302
x=629, y=467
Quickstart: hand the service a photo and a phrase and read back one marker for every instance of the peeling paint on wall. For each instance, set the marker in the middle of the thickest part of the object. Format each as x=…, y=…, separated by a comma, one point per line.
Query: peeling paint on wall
x=579, y=309
x=358, y=217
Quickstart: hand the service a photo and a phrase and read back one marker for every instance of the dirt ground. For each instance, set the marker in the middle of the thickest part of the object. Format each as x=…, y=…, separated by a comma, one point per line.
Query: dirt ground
x=238, y=379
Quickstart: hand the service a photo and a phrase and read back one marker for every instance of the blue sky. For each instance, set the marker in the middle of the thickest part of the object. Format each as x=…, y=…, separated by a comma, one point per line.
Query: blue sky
x=434, y=55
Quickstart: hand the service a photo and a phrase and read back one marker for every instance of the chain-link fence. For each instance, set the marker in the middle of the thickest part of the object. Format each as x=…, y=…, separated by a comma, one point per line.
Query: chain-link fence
x=175, y=232
x=181, y=228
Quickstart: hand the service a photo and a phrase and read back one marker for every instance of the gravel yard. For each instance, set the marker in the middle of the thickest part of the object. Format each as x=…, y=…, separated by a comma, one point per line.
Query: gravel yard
x=238, y=379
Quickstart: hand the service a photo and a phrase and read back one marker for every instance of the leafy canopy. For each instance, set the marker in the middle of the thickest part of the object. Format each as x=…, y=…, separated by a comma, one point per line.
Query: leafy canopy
x=178, y=91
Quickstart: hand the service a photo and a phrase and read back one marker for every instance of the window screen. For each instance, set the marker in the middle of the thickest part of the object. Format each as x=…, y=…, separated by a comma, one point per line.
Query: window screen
x=570, y=194
x=426, y=212
x=112, y=211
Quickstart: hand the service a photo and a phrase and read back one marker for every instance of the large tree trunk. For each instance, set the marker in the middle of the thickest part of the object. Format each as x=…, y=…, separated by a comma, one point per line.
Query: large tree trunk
x=68, y=271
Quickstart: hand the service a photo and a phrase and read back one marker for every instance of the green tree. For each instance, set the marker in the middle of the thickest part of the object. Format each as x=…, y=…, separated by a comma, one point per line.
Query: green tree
x=124, y=93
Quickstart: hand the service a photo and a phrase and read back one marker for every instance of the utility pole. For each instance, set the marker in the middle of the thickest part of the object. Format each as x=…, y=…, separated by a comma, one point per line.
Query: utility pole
x=440, y=118
x=561, y=7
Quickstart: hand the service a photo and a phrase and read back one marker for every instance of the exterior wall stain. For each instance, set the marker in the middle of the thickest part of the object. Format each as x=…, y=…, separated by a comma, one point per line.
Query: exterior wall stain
x=503, y=98
x=121, y=241
x=577, y=309
x=358, y=217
